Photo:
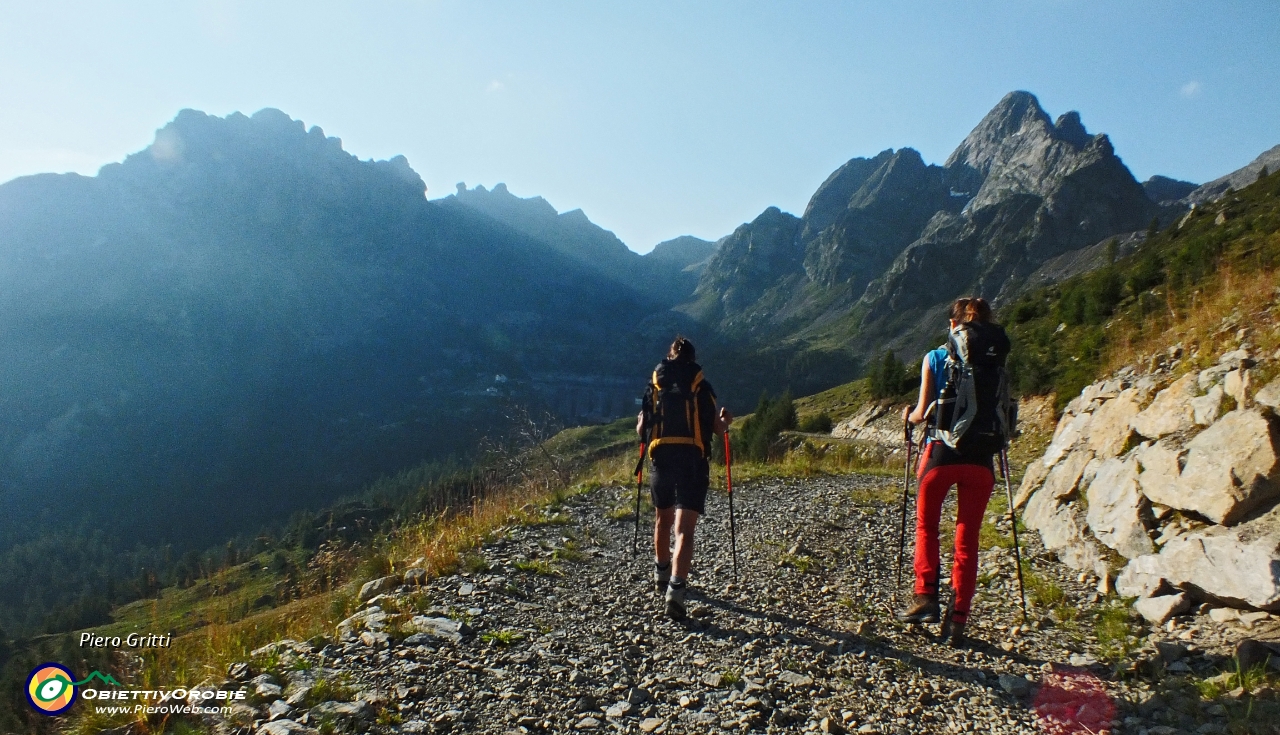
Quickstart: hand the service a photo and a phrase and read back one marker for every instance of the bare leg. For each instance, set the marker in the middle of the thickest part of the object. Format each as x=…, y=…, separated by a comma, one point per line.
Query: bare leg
x=686, y=520
x=663, y=520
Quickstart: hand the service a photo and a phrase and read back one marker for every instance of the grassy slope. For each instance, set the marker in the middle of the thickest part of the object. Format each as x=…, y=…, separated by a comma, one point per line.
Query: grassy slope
x=1196, y=283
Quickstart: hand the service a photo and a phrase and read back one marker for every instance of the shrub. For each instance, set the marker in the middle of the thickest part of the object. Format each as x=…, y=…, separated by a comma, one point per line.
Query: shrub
x=890, y=378
x=817, y=424
x=760, y=431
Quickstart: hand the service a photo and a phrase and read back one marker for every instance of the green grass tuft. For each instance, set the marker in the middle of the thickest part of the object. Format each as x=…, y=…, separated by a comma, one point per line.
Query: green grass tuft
x=543, y=567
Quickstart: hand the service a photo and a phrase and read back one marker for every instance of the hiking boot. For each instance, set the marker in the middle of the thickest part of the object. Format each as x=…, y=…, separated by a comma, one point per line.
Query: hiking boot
x=661, y=577
x=675, y=602
x=952, y=632
x=924, y=609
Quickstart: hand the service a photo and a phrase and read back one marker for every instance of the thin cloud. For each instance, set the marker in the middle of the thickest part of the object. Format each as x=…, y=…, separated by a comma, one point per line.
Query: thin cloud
x=495, y=86
x=1190, y=89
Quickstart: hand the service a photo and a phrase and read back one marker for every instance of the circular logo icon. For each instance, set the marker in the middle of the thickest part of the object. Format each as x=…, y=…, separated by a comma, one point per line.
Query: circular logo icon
x=49, y=689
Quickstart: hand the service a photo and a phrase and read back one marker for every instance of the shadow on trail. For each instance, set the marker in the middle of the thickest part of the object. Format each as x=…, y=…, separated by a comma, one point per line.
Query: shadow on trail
x=816, y=637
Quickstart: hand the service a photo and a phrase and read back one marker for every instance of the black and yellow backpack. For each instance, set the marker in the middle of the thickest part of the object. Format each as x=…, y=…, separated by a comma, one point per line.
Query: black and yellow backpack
x=674, y=405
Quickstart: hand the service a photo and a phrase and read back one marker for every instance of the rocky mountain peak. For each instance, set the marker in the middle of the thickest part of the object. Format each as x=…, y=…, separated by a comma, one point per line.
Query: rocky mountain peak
x=502, y=205
x=684, y=251
x=1069, y=128
x=1162, y=189
x=1016, y=150
x=1018, y=115
x=833, y=196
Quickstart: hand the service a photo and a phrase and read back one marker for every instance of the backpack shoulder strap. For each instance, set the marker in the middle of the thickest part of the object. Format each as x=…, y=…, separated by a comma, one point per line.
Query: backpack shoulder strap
x=958, y=344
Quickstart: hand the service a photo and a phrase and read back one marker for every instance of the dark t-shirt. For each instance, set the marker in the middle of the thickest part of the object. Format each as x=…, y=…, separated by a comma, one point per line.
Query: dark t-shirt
x=938, y=454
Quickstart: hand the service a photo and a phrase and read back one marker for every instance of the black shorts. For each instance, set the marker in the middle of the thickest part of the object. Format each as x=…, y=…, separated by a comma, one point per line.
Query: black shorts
x=680, y=476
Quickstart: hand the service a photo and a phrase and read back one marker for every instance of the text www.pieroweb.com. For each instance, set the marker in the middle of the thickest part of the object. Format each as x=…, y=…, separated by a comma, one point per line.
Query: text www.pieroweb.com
x=160, y=709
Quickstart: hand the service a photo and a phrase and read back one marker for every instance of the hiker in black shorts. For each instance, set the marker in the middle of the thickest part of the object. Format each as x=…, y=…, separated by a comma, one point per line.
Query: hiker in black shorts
x=678, y=421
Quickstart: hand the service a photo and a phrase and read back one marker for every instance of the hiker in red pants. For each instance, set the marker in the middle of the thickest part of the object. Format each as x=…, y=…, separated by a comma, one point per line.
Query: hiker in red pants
x=969, y=468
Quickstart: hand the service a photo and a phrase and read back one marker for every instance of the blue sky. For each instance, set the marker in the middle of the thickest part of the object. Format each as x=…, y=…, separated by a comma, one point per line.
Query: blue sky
x=658, y=119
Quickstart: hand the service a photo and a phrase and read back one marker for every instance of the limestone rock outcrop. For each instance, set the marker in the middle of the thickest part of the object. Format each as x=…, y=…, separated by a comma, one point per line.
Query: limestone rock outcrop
x=1170, y=412
x=1117, y=508
x=1237, y=566
x=1149, y=469
x=1231, y=468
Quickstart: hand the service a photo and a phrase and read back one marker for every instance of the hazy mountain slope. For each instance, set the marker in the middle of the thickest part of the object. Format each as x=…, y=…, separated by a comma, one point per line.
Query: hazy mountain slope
x=243, y=318
x=685, y=251
x=575, y=236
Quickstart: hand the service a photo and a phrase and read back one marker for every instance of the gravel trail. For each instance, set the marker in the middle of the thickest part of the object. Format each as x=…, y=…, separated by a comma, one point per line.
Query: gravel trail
x=564, y=632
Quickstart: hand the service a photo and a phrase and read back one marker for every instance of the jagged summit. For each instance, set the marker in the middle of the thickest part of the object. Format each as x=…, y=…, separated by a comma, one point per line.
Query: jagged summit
x=226, y=149
x=885, y=239
x=833, y=196
x=1019, y=114
x=1069, y=128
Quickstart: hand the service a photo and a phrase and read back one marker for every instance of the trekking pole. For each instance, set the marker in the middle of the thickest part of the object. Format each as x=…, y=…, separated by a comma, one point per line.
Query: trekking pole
x=639, y=473
x=907, y=431
x=1013, y=523
x=728, y=481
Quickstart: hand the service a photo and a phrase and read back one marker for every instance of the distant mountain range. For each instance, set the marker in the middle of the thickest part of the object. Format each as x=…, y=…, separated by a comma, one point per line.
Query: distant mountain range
x=243, y=319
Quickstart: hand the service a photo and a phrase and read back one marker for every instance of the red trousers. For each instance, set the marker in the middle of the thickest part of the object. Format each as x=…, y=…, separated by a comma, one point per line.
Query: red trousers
x=973, y=490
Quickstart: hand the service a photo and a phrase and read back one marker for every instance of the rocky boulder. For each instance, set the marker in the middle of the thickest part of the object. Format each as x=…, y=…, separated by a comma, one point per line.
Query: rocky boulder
x=1231, y=468
x=1061, y=528
x=1110, y=432
x=1093, y=489
x=441, y=628
x=1170, y=412
x=1132, y=582
x=1161, y=465
x=1207, y=407
x=1118, y=512
x=378, y=586
x=1237, y=566
x=1269, y=395
x=1158, y=610
x=370, y=618
x=342, y=716
x=1071, y=430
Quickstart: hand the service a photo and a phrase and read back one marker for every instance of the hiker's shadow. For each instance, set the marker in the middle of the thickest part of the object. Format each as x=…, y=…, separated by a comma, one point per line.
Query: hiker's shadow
x=818, y=637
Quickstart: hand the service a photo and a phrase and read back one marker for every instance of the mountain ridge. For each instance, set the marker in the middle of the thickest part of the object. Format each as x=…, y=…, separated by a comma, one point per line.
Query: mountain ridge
x=887, y=240
x=574, y=235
